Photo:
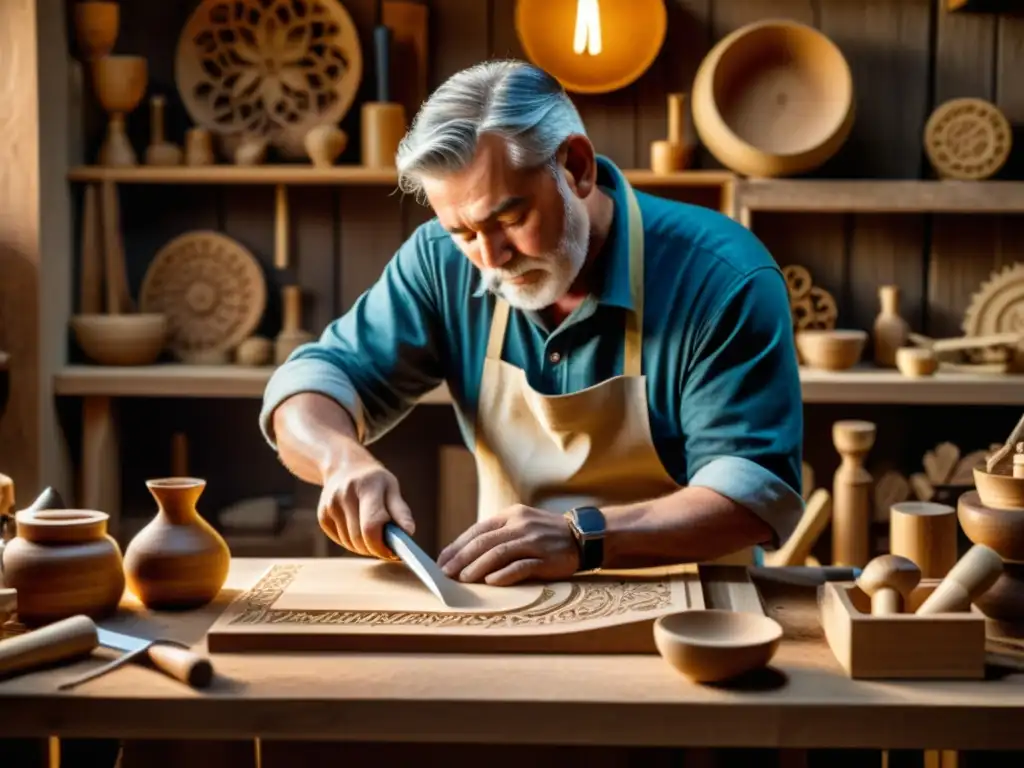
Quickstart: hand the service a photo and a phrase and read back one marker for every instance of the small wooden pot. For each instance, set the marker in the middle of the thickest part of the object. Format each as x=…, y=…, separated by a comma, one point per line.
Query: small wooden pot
x=916, y=362
x=62, y=563
x=178, y=561
x=831, y=350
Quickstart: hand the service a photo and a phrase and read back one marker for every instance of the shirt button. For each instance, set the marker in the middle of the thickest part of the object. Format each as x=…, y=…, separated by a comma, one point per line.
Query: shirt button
x=554, y=357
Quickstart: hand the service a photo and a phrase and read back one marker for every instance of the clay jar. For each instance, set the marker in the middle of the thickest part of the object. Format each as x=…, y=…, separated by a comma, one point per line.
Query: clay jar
x=63, y=562
x=178, y=561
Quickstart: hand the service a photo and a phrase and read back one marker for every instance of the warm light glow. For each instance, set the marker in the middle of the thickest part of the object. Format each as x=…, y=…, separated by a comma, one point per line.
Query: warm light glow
x=588, y=28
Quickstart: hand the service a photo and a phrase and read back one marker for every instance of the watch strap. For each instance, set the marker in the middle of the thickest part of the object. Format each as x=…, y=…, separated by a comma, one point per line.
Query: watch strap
x=588, y=526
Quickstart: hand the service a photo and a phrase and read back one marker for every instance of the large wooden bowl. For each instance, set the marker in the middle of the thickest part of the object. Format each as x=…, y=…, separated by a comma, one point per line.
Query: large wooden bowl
x=774, y=98
x=999, y=491
x=715, y=645
x=999, y=529
x=830, y=350
x=121, y=339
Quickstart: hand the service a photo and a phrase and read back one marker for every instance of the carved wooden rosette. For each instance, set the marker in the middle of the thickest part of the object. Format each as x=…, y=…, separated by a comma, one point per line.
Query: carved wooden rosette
x=269, y=69
x=968, y=139
x=212, y=291
x=813, y=308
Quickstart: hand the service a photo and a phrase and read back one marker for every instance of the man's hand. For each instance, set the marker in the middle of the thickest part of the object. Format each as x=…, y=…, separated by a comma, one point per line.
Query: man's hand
x=359, y=498
x=516, y=544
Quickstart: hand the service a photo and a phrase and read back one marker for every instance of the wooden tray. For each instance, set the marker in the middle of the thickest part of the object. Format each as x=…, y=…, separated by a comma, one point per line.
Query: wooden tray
x=357, y=604
x=942, y=646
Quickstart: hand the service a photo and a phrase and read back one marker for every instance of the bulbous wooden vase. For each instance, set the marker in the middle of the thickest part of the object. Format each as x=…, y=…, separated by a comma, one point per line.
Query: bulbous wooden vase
x=178, y=561
x=63, y=562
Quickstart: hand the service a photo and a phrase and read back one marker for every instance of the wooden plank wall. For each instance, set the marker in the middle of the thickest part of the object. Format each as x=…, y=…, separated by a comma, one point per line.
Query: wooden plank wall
x=907, y=56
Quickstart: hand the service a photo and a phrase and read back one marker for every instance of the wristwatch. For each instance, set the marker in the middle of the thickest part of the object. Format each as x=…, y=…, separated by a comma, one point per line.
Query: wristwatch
x=587, y=525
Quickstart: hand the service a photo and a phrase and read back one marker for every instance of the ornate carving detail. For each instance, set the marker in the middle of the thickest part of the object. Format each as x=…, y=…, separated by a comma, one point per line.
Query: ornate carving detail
x=210, y=287
x=998, y=307
x=586, y=601
x=269, y=68
x=968, y=139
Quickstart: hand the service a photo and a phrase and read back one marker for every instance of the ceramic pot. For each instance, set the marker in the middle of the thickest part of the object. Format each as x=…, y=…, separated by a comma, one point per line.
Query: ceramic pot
x=62, y=562
x=178, y=561
x=890, y=331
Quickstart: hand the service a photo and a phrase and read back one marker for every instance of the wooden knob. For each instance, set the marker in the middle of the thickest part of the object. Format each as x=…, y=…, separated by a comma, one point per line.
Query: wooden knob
x=63, y=640
x=973, y=574
x=887, y=580
x=181, y=664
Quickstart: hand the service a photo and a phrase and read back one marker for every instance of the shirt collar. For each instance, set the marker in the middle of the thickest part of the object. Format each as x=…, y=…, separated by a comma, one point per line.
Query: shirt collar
x=612, y=265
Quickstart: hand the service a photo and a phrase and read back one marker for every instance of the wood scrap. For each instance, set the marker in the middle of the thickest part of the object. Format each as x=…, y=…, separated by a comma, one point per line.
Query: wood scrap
x=922, y=486
x=940, y=462
x=890, y=488
x=798, y=546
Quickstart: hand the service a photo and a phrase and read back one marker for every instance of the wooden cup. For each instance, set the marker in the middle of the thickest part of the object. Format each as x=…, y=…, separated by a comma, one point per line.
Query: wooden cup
x=925, y=533
x=383, y=127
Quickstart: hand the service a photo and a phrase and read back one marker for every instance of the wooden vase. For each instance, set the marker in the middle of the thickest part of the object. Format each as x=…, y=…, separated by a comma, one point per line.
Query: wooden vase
x=62, y=562
x=178, y=561
x=891, y=330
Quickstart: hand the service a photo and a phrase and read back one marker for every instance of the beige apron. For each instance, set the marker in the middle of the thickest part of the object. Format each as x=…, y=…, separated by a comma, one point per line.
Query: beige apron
x=592, y=447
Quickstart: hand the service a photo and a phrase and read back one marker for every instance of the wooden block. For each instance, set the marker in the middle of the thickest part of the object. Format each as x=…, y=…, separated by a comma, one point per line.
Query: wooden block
x=898, y=646
x=331, y=605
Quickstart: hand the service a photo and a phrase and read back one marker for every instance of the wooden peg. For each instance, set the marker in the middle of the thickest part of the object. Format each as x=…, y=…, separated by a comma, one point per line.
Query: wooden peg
x=851, y=493
x=973, y=574
x=887, y=580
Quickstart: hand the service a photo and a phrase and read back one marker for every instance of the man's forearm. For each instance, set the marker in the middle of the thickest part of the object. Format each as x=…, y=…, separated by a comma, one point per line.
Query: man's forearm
x=693, y=524
x=313, y=433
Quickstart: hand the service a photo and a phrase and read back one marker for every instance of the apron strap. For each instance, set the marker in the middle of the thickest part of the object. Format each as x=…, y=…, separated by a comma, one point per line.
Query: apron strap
x=499, y=321
x=633, y=351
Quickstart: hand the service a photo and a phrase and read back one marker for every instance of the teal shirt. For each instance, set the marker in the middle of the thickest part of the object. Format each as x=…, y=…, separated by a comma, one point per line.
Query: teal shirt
x=723, y=384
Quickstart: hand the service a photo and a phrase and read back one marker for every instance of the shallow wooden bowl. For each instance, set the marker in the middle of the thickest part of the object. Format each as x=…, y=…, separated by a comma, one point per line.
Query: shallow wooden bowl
x=999, y=491
x=774, y=98
x=915, y=362
x=121, y=339
x=831, y=350
x=999, y=529
x=714, y=645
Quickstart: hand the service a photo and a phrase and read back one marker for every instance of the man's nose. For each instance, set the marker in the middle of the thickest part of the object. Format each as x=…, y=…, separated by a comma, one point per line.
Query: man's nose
x=493, y=250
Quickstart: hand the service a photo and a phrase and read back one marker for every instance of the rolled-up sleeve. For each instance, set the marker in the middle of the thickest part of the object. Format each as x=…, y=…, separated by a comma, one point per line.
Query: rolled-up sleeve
x=377, y=359
x=742, y=409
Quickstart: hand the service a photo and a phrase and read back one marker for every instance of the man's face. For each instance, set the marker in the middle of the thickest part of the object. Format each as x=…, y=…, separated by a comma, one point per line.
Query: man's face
x=525, y=230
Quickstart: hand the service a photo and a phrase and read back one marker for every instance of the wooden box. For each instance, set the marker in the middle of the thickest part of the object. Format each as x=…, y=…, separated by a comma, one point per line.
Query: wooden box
x=950, y=645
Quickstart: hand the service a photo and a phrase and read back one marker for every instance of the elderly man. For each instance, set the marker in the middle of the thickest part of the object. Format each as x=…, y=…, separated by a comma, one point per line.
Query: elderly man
x=622, y=365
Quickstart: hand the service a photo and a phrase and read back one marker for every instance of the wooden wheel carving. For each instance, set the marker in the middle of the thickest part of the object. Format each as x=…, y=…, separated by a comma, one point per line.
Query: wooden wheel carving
x=998, y=307
x=968, y=139
x=268, y=68
x=212, y=290
x=798, y=281
x=815, y=312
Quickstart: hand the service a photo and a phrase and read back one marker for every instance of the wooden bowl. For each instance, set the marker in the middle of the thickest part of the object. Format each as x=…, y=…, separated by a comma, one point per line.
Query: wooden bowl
x=1002, y=530
x=774, y=98
x=121, y=339
x=916, y=362
x=831, y=350
x=713, y=645
x=999, y=491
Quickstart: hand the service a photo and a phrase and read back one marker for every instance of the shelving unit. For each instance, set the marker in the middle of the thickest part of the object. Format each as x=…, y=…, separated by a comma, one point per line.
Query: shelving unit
x=861, y=385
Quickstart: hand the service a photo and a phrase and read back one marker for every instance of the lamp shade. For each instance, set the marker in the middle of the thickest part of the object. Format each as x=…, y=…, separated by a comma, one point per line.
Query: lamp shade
x=628, y=36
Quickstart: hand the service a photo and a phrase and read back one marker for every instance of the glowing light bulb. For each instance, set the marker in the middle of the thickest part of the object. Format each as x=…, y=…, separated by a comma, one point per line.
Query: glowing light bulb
x=587, y=36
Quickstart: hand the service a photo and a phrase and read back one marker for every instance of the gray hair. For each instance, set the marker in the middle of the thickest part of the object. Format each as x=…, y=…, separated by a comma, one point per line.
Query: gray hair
x=510, y=98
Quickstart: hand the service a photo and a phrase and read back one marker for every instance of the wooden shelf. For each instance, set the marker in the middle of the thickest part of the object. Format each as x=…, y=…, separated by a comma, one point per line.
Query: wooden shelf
x=177, y=380
x=865, y=385
x=881, y=196
x=343, y=175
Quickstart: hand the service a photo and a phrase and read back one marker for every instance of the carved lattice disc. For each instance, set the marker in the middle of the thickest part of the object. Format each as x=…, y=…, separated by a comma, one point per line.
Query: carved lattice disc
x=212, y=290
x=268, y=68
x=998, y=307
x=968, y=139
x=815, y=312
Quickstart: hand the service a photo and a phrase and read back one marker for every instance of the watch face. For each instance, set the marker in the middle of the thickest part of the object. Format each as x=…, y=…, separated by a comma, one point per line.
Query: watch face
x=590, y=521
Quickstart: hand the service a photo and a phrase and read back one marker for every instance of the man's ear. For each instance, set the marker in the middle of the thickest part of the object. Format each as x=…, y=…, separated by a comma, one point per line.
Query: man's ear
x=577, y=157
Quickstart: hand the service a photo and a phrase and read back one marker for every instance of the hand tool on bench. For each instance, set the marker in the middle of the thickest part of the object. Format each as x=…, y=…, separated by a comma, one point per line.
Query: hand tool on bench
x=77, y=636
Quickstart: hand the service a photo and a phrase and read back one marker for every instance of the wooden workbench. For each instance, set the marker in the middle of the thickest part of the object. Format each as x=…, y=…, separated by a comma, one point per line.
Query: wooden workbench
x=804, y=702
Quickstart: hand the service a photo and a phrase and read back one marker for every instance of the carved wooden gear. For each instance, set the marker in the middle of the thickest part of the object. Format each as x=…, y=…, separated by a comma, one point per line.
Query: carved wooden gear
x=968, y=139
x=268, y=68
x=798, y=281
x=998, y=307
x=210, y=287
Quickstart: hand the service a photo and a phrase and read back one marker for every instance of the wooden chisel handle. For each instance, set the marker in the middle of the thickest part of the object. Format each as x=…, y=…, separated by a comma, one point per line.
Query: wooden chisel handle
x=181, y=664
x=63, y=640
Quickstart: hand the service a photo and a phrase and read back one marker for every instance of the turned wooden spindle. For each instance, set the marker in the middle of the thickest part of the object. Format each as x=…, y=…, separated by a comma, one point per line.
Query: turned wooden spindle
x=851, y=493
x=292, y=335
x=160, y=151
x=672, y=153
x=974, y=573
x=1018, y=461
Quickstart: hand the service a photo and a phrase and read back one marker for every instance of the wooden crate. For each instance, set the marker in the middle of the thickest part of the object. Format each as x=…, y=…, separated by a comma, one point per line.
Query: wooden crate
x=950, y=645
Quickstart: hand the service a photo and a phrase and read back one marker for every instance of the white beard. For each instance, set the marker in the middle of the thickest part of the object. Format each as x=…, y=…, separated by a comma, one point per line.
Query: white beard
x=562, y=265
